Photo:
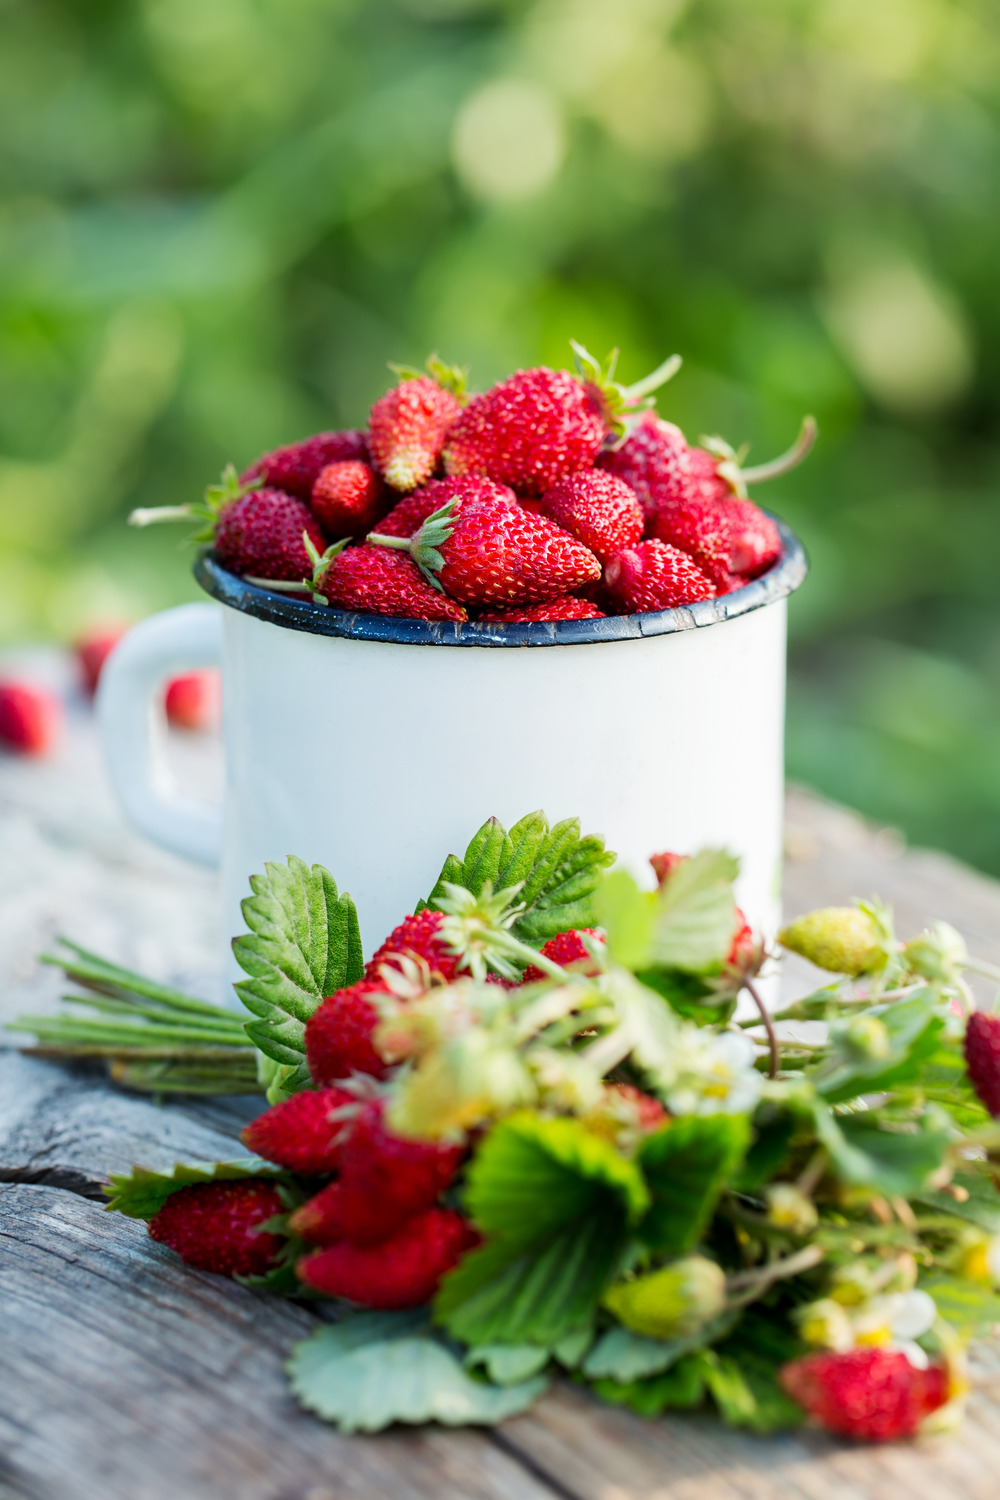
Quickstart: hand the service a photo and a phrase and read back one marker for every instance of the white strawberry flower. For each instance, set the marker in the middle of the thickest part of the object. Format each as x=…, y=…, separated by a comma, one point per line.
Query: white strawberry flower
x=896, y=1321
x=714, y=1074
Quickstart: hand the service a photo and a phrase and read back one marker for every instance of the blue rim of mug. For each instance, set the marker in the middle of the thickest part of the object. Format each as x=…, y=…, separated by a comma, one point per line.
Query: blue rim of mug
x=319, y=619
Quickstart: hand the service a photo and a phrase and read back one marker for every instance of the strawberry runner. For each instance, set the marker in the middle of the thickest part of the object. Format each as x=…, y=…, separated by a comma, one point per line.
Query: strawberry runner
x=540, y=1134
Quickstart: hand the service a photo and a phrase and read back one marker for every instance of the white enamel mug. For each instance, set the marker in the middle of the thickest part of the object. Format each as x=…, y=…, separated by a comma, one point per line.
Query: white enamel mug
x=376, y=746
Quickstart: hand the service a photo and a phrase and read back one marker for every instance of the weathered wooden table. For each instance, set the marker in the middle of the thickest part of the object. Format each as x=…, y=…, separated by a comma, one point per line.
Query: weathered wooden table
x=123, y=1374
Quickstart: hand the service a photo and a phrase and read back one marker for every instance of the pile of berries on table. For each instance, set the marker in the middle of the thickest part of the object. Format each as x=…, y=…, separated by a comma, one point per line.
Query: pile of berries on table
x=551, y=496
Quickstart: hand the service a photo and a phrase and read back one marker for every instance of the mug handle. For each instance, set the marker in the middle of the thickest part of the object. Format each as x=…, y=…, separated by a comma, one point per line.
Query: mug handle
x=133, y=727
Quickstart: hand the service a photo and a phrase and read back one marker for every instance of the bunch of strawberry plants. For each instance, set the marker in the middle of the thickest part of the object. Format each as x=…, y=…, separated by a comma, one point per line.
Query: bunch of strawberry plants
x=550, y=1126
x=551, y=496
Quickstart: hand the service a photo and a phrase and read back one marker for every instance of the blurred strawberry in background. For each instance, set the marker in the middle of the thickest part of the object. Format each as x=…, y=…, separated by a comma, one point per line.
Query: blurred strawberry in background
x=192, y=701
x=30, y=718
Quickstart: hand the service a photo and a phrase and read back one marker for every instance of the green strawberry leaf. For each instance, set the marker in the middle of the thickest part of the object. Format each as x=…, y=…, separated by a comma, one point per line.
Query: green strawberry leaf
x=555, y=1202
x=680, y=1388
x=558, y=870
x=969, y=1306
x=696, y=913
x=866, y=1153
x=622, y=1355
x=687, y=1165
x=980, y=1207
x=914, y=1031
x=304, y=944
x=374, y=1369
x=506, y=1364
x=747, y=1393
x=142, y=1193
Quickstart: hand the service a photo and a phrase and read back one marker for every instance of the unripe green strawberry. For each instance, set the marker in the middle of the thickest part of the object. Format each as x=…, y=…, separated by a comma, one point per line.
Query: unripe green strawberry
x=672, y=1302
x=842, y=939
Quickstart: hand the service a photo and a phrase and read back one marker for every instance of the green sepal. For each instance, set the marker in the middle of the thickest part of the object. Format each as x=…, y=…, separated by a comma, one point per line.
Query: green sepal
x=142, y=1192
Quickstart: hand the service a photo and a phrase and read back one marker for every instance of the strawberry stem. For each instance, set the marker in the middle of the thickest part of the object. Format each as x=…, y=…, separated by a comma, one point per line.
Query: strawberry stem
x=153, y=515
x=765, y=1015
x=786, y=461
x=652, y=382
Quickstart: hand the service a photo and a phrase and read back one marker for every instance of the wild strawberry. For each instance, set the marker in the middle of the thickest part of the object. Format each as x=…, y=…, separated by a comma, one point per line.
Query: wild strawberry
x=598, y=509
x=303, y=1133
x=982, y=1057
x=665, y=864
x=401, y=1272
x=840, y=939
x=92, y=651
x=296, y=468
x=213, y=1226
x=654, y=461
x=261, y=535
x=566, y=949
x=385, y=1179
x=194, y=700
x=566, y=608
x=726, y=538
x=339, y=1035
x=376, y=582
x=408, y=426
x=652, y=575
x=347, y=498
x=868, y=1393
x=484, y=549
x=30, y=718
x=417, y=937
x=742, y=948
x=409, y=514
x=538, y=425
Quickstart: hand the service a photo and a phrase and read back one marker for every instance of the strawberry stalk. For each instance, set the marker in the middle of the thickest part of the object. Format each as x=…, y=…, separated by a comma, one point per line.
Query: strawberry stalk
x=151, y=1036
x=621, y=401
x=730, y=466
x=424, y=545
x=217, y=497
x=320, y=561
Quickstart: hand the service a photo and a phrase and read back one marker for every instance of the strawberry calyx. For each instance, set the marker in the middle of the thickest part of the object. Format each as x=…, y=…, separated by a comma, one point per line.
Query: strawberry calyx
x=320, y=561
x=217, y=496
x=453, y=378
x=730, y=460
x=618, y=401
x=425, y=543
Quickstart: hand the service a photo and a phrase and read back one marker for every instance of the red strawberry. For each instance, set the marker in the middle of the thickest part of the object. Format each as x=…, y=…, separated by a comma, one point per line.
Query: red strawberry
x=665, y=864
x=303, y=1133
x=93, y=650
x=30, y=718
x=725, y=537
x=868, y=1393
x=655, y=576
x=339, y=1035
x=401, y=1272
x=194, y=700
x=488, y=550
x=418, y=937
x=539, y=425
x=213, y=1226
x=408, y=426
x=565, y=608
x=260, y=535
x=598, y=509
x=649, y=1111
x=566, y=949
x=742, y=948
x=409, y=514
x=654, y=461
x=376, y=582
x=347, y=498
x=385, y=1179
x=296, y=468
x=982, y=1057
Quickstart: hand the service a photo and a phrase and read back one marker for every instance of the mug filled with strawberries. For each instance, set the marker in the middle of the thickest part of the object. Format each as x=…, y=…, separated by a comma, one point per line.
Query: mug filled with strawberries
x=555, y=510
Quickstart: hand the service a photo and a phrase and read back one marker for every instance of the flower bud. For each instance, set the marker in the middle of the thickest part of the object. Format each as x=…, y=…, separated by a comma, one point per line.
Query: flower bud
x=826, y=1324
x=866, y=1037
x=788, y=1208
x=843, y=939
x=672, y=1302
x=939, y=954
x=852, y=1285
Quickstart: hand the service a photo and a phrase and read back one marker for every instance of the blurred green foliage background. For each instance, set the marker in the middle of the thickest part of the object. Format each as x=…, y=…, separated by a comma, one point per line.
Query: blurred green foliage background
x=221, y=218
